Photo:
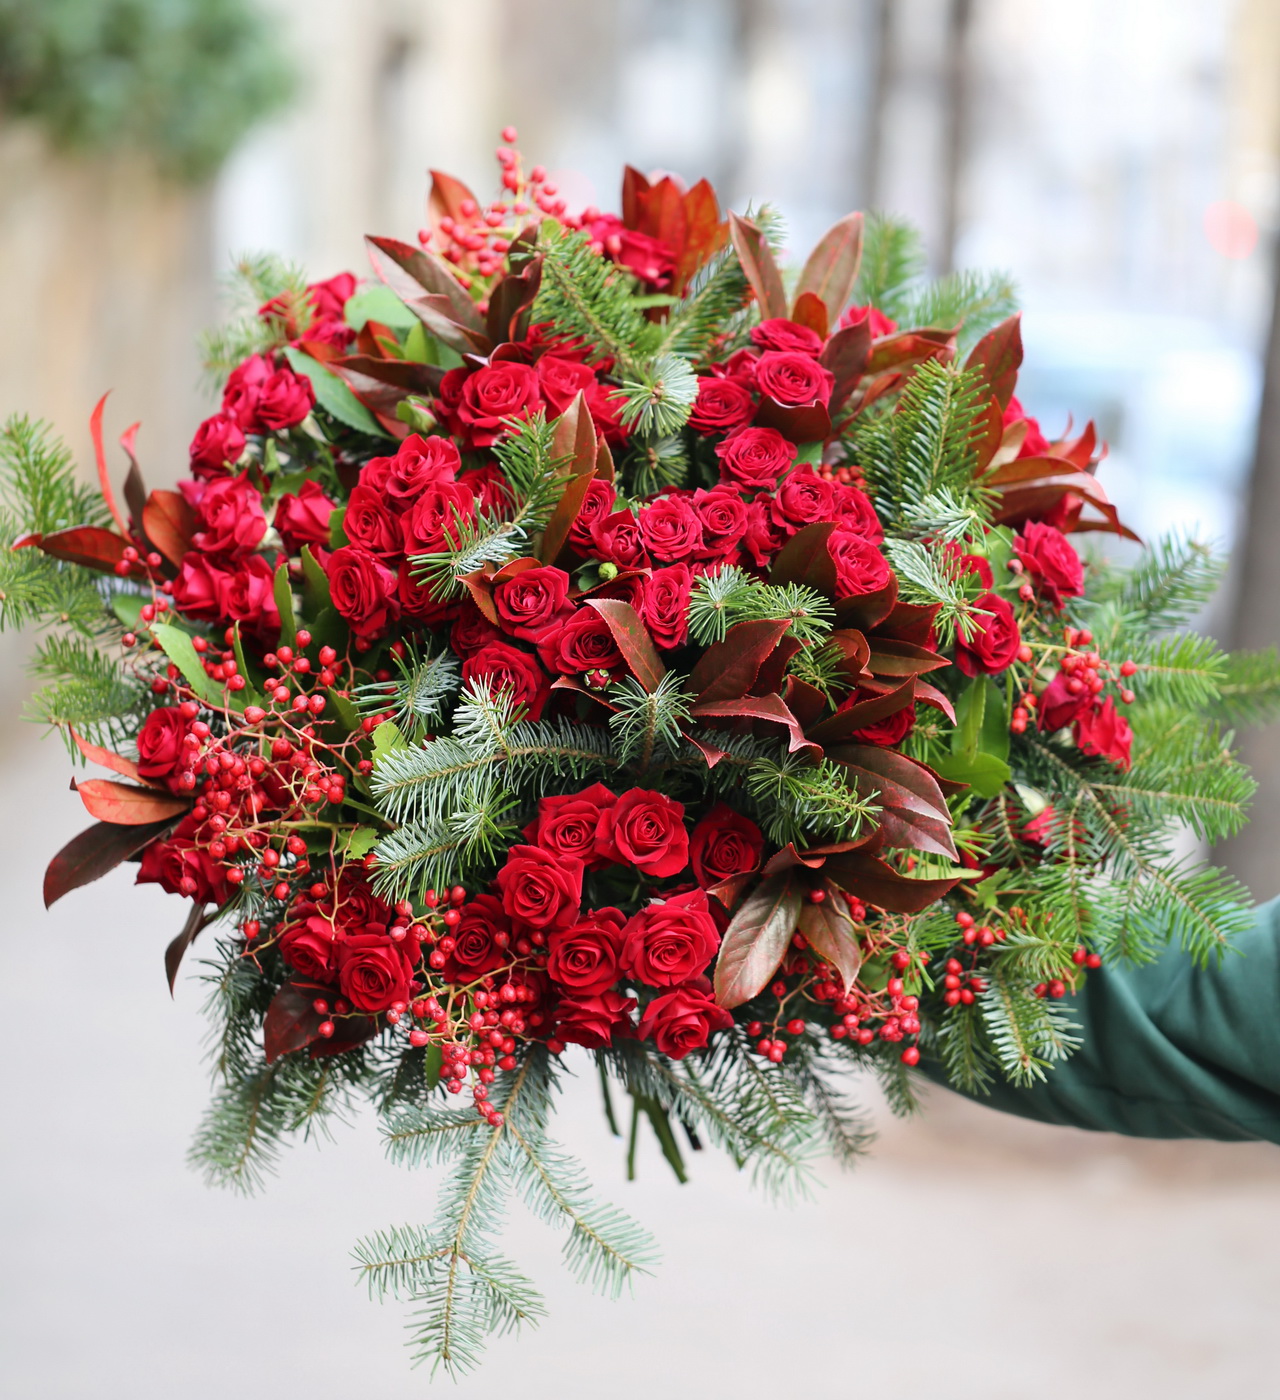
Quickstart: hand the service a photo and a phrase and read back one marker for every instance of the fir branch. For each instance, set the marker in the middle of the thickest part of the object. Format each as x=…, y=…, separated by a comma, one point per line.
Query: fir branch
x=716, y=294
x=1248, y=688
x=1026, y=1033
x=425, y=686
x=642, y=719
x=931, y=578
x=658, y=398
x=975, y=302
x=1172, y=580
x=729, y=596
x=892, y=262
x=255, y=280
x=806, y=802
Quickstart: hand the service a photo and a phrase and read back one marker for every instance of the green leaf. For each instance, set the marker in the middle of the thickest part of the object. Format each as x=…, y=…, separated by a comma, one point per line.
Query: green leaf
x=386, y=738
x=128, y=608
x=377, y=302
x=337, y=533
x=360, y=841
x=284, y=605
x=348, y=715
x=333, y=396
x=315, y=583
x=984, y=772
x=179, y=648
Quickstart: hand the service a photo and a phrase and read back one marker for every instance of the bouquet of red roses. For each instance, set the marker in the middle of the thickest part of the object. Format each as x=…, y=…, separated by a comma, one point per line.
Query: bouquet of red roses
x=586, y=632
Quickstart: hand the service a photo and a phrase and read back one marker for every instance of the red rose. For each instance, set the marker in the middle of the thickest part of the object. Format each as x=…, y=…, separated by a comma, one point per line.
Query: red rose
x=724, y=843
x=541, y=889
x=370, y=525
x=605, y=406
x=617, y=538
x=1035, y=444
x=248, y=595
x=472, y=630
x=887, y=732
x=856, y=514
x=596, y=505
x=244, y=385
x=880, y=323
x=571, y=825
x=646, y=830
x=762, y=538
x=480, y=940
x=651, y=259
x=793, y=380
x=672, y=942
x=803, y=498
x=419, y=462
x=494, y=393
x=594, y=1021
x=969, y=563
x=1048, y=557
x=671, y=529
x=330, y=297
x=780, y=334
x=682, y=1020
x=1104, y=732
x=723, y=517
x=756, y=459
x=505, y=667
x=431, y=525
x=578, y=643
x=200, y=587
x=860, y=567
x=994, y=644
x=304, y=518
x=586, y=957
x=561, y=381
x=418, y=602
x=355, y=905
x=217, y=445
x=1060, y=704
x=231, y=517
x=533, y=601
x=741, y=365
x=284, y=401
x=664, y=605
x=160, y=743
x=310, y=948
x=489, y=486
x=362, y=589
x=373, y=972
x=179, y=866
x=721, y=406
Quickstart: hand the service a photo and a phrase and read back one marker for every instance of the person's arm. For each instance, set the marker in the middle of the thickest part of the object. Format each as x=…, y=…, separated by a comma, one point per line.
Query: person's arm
x=1171, y=1050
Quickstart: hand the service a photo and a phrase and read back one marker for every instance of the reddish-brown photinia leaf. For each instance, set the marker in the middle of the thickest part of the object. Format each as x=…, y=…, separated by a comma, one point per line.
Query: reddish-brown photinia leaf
x=832, y=267
x=758, y=264
x=875, y=881
x=763, y=707
x=832, y=934
x=509, y=297
x=810, y=310
x=291, y=1022
x=727, y=891
x=356, y=370
x=1080, y=452
x=788, y=858
x=448, y=195
x=930, y=695
x=998, y=356
x=893, y=658
x=866, y=610
x=913, y=811
x=728, y=669
x=174, y=953
x=633, y=640
x=844, y=723
x=100, y=456
x=806, y=559
x=169, y=523
x=910, y=622
x=756, y=940
x=135, y=491
x=797, y=423
x=410, y=271
x=348, y=1032
x=846, y=355
x=579, y=688
x=907, y=348
x=128, y=806
x=805, y=701
x=772, y=675
x=1031, y=486
x=634, y=184
x=988, y=433
x=88, y=545
x=106, y=759
x=705, y=233
x=712, y=754
x=436, y=314
x=93, y=853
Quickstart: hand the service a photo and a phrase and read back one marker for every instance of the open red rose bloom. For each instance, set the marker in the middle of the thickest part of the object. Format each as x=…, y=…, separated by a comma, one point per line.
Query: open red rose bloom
x=569, y=635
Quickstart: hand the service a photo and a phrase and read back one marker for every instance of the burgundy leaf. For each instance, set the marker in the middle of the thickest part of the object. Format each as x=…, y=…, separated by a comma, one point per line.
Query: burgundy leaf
x=913, y=811
x=128, y=806
x=773, y=673
x=355, y=370
x=868, y=609
x=348, y=1032
x=169, y=523
x=846, y=355
x=173, y=954
x=126, y=767
x=890, y=658
x=805, y=701
x=832, y=934
x=998, y=355
x=509, y=297
x=88, y=545
x=806, y=559
x=832, y=267
x=930, y=695
x=756, y=941
x=765, y=707
x=409, y=271
x=874, y=881
x=810, y=310
x=93, y=853
x=633, y=640
x=100, y=456
x=291, y=1021
x=761, y=271
x=844, y=723
x=895, y=352
x=728, y=669
x=910, y=622
x=797, y=423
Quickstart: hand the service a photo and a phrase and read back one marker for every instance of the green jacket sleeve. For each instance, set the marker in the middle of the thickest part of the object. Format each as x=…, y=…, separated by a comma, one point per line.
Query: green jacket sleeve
x=1171, y=1050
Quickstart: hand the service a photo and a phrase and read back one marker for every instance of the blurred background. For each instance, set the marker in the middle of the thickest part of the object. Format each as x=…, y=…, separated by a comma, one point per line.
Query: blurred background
x=1122, y=159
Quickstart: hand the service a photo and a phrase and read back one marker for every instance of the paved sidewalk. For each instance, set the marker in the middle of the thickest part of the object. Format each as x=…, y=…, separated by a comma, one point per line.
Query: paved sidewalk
x=972, y=1255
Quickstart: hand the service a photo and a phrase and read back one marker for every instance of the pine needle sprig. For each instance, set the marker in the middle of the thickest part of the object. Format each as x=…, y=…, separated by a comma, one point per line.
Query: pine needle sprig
x=892, y=263
x=731, y=595
x=972, y=302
